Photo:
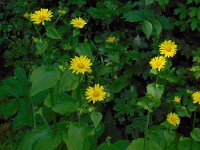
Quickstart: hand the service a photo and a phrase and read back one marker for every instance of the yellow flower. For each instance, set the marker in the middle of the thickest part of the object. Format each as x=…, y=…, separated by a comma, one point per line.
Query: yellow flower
x=41, y=15
x=158, y=62
x=80, y=64
x=177, y=99
x=78, y=22
x=173, y=119
x=168, y=48
x=95, y=93
x=196, y=97
x=110, y=39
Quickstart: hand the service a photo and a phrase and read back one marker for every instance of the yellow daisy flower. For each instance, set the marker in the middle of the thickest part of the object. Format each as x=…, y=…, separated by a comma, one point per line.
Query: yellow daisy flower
x=41, y=15
x=158, y=62
x=168, y=48
x=173, y=119
x=110, y=39
x=177, y=99
x=95, y=93
x=196, y=97
x=78, y=22
x=80, y=64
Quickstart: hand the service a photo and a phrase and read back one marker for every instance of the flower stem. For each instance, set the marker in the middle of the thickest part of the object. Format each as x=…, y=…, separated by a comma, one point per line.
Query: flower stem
x=194, y=118
x=146, y=132
x=33, y=111
x=52, y=103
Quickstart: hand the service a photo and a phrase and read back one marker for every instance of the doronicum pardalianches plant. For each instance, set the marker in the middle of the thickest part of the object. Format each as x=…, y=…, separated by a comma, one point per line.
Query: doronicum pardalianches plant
x=105, y=75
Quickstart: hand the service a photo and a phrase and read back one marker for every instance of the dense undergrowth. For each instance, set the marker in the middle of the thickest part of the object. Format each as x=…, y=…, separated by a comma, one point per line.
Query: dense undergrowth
x=106, y=75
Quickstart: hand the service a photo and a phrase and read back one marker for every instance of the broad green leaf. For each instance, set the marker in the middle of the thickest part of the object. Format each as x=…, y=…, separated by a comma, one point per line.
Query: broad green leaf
x=155, y=90
x=186, y=143
x=182, y=112
x=43, y=78
x=148, y=2
x=146, y=103
x=84, y=49
x=53, y=33
x=69, y=81
x=195, y=134
x=20, y=74
x=147, y=28
x=104, y=70
x=122, y=144
x=138, y=15
x=65, y=104
x=96, y=118
x=41, y=46
x=120, y=83
x=13, y=87
x=163, y=3
x=9, y=108
x=156, y=26
x=198, y=13
x=40, y=140
x=138, y=144
x=107, y=146
x=77, y=138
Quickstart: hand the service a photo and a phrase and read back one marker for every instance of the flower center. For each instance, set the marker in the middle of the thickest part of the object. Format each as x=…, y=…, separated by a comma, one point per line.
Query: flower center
x=81, y=65
x=173, y=120
x=158, y=63
x=168, y=48
x=96, y=94
x=42, y=17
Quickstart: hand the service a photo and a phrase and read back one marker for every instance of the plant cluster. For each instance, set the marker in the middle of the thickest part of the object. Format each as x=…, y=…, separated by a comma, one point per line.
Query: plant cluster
x=106, y=75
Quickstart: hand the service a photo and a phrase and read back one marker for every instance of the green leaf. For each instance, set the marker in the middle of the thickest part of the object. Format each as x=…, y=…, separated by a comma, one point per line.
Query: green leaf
x=198, y=14
x=146, y=103
x=147, y=28
x=40, y=140
x=84, y=49
x=69, y=81
x=96, y=118
x=20, y=74
x=13, y=87
x=43, y=78
x=76, y=32
x=138, y=15
x=41, y=46
x=139, y=145
x=186, y=143
x=122, y=81
x=53, y=33
x=107, y=146
x=77, y=138
x=8, y=109
x=122, y=144
x=155, y=90
x=163, y=3
x=182, y=112
x=65, y=104
x=156, y=26
x=148, y=2
x=195, y=134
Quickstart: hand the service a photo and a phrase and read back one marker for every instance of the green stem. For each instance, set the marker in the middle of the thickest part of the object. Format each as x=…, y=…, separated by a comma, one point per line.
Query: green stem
x=44, y=120
x=57, y=19
x=79, y=103
x=193, y=126
x=33, y=111
x=194, y=118
x=52, y=103
x=147, y=128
